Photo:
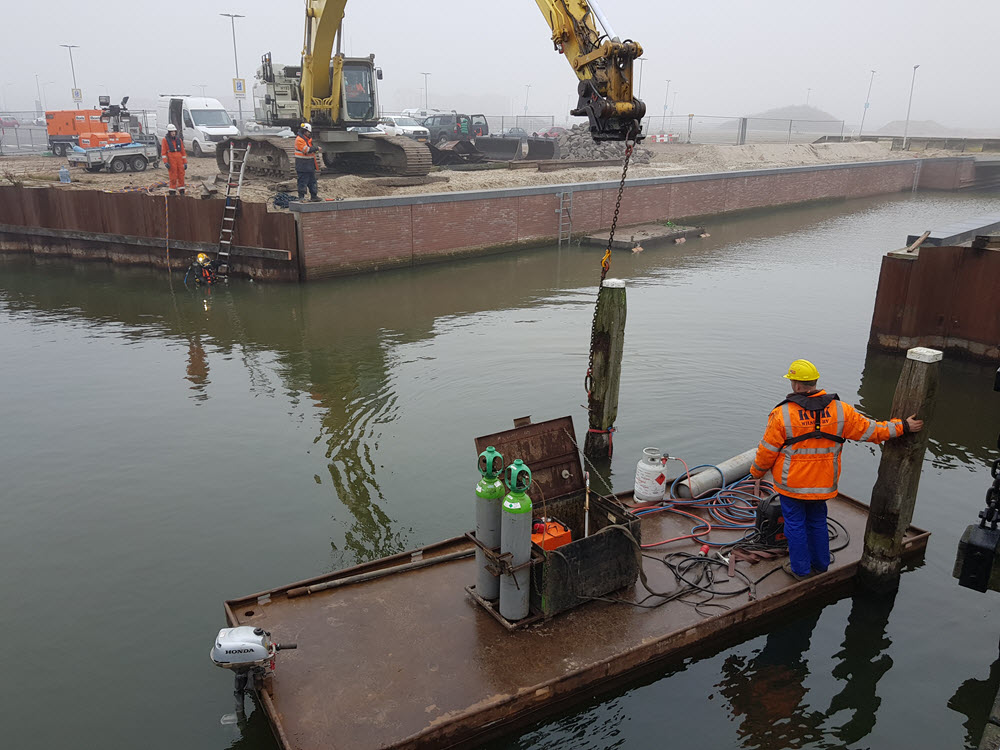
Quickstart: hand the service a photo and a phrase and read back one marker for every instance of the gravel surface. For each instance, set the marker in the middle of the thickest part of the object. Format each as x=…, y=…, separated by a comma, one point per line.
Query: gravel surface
x=668, y=159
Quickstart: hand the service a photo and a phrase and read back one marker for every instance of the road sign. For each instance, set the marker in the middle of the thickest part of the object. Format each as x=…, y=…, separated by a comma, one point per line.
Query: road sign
x=77, y=95
x=240, y=88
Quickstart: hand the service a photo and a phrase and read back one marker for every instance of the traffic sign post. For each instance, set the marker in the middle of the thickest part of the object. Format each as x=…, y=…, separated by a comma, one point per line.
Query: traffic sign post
x=77, y=95
x=239, y=88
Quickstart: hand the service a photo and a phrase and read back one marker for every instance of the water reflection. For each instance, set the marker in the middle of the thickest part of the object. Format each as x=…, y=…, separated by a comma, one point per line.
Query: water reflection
x=863, y=661
x=966, y=416
x=197, y=368
x=766, y=691
x=974, y=699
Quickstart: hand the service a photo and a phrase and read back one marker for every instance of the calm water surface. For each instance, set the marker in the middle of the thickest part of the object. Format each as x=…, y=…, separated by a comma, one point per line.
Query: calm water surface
x=164, y=449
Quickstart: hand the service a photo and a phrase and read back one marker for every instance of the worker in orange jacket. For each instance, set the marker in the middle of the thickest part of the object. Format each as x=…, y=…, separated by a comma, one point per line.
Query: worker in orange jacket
x=801, y=448
x=173, y=154
x=306, y=163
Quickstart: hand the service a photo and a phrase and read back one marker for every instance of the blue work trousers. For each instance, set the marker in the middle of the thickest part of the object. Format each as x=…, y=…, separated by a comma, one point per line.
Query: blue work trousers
x=808, y=541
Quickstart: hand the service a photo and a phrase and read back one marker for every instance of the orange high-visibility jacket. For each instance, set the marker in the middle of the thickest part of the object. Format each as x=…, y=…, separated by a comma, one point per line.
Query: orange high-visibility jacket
x=809, y=468
x=303, y=149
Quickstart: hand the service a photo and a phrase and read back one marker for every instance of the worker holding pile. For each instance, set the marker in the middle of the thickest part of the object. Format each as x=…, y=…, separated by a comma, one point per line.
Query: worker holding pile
x=306, y=164
x=175, y=157
x=801, y=447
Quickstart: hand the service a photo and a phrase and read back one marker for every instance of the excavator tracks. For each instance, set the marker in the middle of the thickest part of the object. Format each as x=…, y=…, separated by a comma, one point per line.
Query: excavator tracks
x=272, y=156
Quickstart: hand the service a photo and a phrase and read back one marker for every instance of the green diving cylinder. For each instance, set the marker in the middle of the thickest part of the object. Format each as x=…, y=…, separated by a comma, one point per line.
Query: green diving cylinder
x=489, y=496
x=515, y=538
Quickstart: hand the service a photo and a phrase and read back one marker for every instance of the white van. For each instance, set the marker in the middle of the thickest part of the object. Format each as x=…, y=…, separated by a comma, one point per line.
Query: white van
x=202, y=121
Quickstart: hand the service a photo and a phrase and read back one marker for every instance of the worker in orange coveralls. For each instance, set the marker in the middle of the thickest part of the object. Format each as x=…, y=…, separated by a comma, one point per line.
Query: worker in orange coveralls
x=175, y=157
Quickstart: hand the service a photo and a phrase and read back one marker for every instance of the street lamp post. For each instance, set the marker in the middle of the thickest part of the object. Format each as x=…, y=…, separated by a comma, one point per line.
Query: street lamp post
x=666, y=96
x=232, y=19
x=527, y=89
x=867, y=100
x=638, y=92
x=808, y=92
x=72, y=68
x=906, y=127
x=426, y=105
x=202, y=86
x=45, y=94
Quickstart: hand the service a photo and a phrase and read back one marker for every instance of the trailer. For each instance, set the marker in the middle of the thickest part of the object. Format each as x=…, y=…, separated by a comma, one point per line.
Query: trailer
x=117, y=158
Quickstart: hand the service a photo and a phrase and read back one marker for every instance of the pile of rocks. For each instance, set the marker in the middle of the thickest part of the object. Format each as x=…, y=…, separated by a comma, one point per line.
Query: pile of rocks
x=578, y=144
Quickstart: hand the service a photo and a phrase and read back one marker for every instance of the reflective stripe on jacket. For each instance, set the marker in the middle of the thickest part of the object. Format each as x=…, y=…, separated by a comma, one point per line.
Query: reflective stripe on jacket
x=810, y=469
x=303, y=150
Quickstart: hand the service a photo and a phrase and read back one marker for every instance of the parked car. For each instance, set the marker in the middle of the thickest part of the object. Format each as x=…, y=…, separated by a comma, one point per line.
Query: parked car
x=396, y=125
x=515, y=133
x=451, y=126
x=553, y=132
x=8, y=121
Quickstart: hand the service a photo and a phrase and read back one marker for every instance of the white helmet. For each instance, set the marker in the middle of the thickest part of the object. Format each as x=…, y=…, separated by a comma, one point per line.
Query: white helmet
x=307, y=127
x=171, y=128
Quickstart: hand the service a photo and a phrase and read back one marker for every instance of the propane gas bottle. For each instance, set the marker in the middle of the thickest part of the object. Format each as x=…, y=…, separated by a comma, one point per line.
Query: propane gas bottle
x=651, y=476
x=489, y=496
x=515, y=538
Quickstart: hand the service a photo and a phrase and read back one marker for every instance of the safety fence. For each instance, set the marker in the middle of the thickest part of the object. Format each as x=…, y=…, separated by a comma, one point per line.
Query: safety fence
x=739, y=130
x=499, y=124
x=25, y=133
x=22, y=133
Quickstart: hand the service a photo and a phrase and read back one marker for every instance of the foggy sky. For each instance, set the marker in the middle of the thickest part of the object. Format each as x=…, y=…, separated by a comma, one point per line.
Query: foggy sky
x=724, y=57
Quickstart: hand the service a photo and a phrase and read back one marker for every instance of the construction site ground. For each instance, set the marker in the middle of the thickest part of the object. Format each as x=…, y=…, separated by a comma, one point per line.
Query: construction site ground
x=668, y=159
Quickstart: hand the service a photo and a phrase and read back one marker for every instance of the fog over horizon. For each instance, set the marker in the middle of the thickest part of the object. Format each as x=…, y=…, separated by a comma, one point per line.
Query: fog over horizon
x=723, y=57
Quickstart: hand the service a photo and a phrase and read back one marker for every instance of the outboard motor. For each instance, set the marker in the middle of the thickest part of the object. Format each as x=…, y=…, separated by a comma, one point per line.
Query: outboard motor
x=251, y=654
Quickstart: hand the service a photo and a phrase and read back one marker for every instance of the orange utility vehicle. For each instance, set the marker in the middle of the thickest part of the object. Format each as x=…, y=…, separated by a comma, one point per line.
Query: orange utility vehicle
x=66, y=126
x=112, y=146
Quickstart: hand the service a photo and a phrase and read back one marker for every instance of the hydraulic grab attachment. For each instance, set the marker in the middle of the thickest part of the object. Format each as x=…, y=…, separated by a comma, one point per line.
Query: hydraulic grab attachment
x=602, y=62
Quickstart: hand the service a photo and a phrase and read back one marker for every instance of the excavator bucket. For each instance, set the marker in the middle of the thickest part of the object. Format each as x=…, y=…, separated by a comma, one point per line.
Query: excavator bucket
x=455, y=152
x=499, y=148
x=542, y=148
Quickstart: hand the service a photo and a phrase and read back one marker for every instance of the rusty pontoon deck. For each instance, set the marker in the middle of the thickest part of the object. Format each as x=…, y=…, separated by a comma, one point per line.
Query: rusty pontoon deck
x=407, y=659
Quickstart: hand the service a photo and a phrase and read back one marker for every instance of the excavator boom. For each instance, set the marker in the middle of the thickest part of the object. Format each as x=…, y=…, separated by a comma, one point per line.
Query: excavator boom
x=320, y=89
x=602, y=62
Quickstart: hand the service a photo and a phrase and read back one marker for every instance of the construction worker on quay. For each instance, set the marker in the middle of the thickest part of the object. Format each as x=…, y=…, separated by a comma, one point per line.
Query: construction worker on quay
x=306, y=165
x=801, y=448
x=175, y=157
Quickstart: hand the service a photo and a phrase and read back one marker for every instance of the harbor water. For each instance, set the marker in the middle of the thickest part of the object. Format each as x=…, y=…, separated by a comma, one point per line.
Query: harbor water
x=166, y=448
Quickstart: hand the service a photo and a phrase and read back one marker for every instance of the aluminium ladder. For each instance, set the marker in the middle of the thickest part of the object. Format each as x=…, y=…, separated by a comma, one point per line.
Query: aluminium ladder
x=565, y=212
x=237, y=166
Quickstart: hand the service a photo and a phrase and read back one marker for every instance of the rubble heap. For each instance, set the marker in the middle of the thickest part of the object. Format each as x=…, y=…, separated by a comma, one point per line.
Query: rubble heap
x=577, y=144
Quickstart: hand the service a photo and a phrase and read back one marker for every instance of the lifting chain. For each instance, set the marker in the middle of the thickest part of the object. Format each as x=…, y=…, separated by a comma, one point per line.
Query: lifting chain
x=606, y=260
x=991, y=513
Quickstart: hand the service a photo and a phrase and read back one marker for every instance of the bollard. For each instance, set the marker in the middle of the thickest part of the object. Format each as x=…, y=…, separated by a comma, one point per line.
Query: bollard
x=895, y=490
x=608, y=340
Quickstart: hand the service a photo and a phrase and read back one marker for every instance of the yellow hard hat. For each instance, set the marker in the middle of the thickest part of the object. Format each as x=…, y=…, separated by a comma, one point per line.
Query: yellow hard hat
x=802, y=369
x=203, y=259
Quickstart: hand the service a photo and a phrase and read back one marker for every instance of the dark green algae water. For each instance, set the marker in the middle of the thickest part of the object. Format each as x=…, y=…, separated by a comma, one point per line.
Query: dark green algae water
x=164, y=449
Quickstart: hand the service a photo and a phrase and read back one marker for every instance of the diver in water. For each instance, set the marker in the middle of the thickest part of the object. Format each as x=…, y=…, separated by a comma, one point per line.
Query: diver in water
x=202, y=271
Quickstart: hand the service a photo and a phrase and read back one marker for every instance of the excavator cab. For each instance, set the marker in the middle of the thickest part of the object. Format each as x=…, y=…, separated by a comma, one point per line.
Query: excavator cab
x=358, y=93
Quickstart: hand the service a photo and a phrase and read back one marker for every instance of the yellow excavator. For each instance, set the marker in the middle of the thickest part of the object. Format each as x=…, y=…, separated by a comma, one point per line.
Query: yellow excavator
x=336, y=93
